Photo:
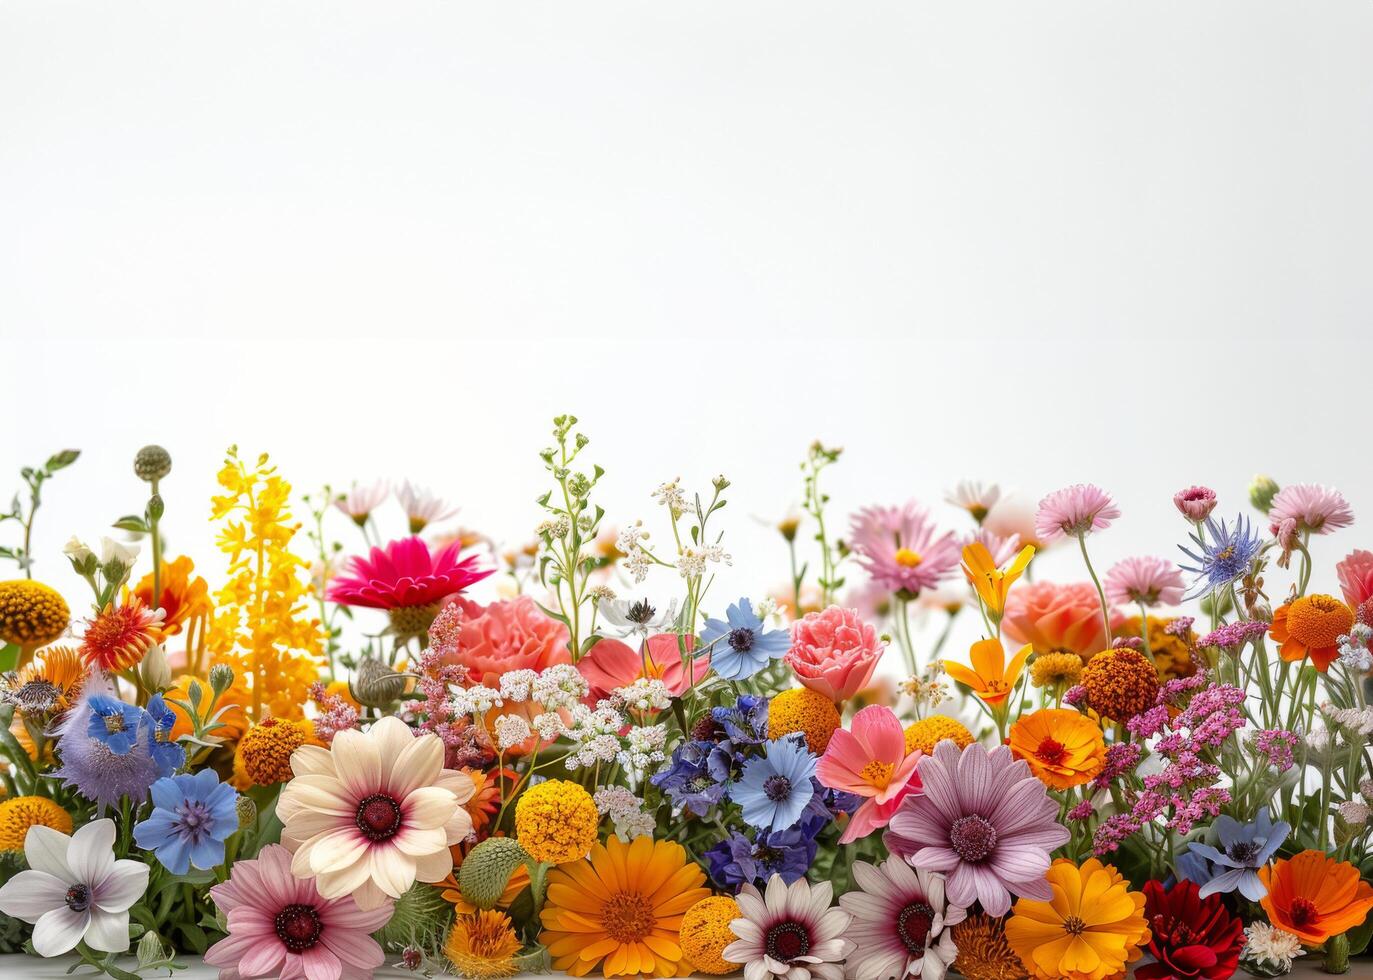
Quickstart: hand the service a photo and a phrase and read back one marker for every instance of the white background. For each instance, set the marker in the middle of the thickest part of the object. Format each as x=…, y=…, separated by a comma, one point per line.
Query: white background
x=1037, y=243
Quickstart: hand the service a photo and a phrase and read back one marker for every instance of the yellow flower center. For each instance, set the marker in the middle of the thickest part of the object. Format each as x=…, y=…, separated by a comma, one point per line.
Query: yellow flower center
x=907, y=558
x=628, y=917
x=1318, y=620
x=878, y=773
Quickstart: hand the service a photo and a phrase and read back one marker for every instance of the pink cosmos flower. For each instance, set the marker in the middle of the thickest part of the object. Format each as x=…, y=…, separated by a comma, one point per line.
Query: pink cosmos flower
x=1195, y=503
x=1315, y=508
x=611, y=664
x=869, y=760
x=1356, y=577
x=513, y=634
x=1074, y=511
x=834, y=652
x=985, y=821
x=280, y=926
x=1054, y=617
x=1144, y=579
x=405, y=574
x=900, y=547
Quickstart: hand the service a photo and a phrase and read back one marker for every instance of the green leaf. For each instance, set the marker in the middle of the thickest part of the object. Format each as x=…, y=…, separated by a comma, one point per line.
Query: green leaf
x=9, y=657
x=1359, y=937
x=131, y=522
x=60, y=460
x=589, y=642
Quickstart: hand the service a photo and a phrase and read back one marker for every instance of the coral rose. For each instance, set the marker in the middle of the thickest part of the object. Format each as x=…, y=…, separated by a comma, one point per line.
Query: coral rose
x=1057, y=618
x=509, y=635
x=834, y=652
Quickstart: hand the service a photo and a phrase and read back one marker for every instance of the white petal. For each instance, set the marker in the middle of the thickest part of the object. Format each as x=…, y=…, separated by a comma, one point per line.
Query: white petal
x=31, y=893
x=417, y=763
x=91, y=854
x=124, y=885
x=46, y=850
x=59, y=931
x=108, y=931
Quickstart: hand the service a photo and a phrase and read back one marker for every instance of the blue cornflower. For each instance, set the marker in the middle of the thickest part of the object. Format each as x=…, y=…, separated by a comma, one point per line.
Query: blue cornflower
x=1223, y=559
x=1244, y=848
x=690, y=782
x=114, y=723
x=747, y=722
x=739, y=645
x=192, y=817
x=738, y=861
x=776, y=787
x=168, y=755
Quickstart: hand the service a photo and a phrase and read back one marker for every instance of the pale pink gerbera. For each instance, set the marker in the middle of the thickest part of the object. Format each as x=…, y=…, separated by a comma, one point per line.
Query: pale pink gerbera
x=870, y=760
x=1144, y=579
x=374, y=813
x=901, y=548
x=1315, y=508
x=1074, y=511
x=1195, y=503
x=790, y=932
x=900, y=922
x=280, y=926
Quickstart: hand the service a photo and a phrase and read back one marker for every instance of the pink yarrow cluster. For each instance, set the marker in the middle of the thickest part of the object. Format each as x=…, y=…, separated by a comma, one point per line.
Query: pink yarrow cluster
x=336, y=715
x=464, y=744
x=1234, y=635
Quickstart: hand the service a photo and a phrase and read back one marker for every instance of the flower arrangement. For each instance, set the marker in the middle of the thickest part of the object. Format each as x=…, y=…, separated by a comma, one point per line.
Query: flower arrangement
x=437, y=753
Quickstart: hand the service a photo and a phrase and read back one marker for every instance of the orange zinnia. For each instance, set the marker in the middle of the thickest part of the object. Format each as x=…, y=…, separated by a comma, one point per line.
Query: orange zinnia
x=183, y=597
x=991, y=678
x=1314, y=896
x=1063, y=748
x=1310, y=627
x=119, y=636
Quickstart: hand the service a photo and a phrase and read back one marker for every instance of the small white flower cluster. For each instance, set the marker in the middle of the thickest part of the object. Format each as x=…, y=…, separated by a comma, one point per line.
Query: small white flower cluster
x=643, y=748
x=556, y=528
x=625, y=811
x=595, y=733
x=1359, y=720
x=518, y=685
x=1270, y=947
x=1356, y=813
x=559, y=686
x=693, y=560
x=1354, y=652
x=645, y=694
x=636, y=561
x=511, y=730
x=670, y=495
x=475, y=701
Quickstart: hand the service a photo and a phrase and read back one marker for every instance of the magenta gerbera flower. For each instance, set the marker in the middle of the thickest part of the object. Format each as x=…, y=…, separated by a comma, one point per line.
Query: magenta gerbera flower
x=1314, y=508
x=1144, y=579
x=984, y=821
x=901, y=548
x=405, y=574
x=1074, y=511
x=279, y=926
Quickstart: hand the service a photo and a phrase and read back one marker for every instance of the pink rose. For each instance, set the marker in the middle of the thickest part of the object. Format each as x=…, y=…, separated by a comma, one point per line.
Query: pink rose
x=610, y=664
x=508, y=635
x=834, y=652
x=1356, y=577
x=1057, y=618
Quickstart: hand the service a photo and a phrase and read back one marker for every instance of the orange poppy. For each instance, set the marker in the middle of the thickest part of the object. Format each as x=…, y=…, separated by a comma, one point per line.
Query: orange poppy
x=1310, y=627
x=991, y=678
x=1314, y=896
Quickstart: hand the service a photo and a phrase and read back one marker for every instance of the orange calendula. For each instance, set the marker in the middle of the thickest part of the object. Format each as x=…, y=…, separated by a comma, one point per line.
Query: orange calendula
x=991, y=677
x=1314, y=896
x=1062, y=747
x=1310, y=627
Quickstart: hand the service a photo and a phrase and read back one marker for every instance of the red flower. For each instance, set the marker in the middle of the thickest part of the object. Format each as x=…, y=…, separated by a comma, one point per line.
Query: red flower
x=405, y=574
x=1191, y=937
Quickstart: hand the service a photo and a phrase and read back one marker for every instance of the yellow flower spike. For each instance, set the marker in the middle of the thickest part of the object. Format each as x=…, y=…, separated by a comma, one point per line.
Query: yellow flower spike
x=991, y=583
x=991, y=678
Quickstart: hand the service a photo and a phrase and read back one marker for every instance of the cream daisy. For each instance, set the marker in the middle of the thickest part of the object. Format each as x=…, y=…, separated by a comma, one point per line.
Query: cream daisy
x=422, y=507
x=790, y=931
x=374, y=813
x=900, y=923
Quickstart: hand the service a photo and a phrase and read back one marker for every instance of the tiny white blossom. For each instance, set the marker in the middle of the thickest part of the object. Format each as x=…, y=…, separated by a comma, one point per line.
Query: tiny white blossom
x=645, y=694
x=670, y=495
x=559, y=686
x=549, y=726
x=627, y=541
x=637, y=563
x=517, y=685
x=511, y=730
x=1270, y=947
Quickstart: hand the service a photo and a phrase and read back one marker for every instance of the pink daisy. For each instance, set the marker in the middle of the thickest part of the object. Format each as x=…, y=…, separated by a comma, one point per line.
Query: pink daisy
x=405, y=574
x=1074, y=511
x=869, y=760
x=985, y=821
x=280, y=926
x=790, y=932
x=1144, y=579
x=901, y=548
x=1315, y=508
x=1195, y=503
x=900, y=922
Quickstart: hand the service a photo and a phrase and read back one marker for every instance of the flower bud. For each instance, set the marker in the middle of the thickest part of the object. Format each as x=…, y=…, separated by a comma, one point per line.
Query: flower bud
x=152, y=463
x=487, y=869
x=1195, y=503
x=221, y=677
x=247, y=811
x=154, y=671
x=1262, y=491
x=376, y=684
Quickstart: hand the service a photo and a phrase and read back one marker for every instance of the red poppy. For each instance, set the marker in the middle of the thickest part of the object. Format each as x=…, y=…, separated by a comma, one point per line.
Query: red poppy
x=1191, y=937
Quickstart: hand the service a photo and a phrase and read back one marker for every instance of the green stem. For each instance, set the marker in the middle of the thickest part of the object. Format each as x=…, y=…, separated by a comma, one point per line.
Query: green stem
x=1101, y=593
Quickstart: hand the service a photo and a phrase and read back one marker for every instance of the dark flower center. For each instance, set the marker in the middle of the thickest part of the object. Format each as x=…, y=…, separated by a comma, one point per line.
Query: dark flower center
x=298, y=926
x=972, y=838
x=741, y=640
x=1074, y=926
x=1051, y=752
x=640, y=612
x=788, y=940
x=1303, y=912
x=78, y=898
x=378, y=817
x=913, y=926
x=777, y=788
x=38, y=697
x=1244, y=852
x=194, y=820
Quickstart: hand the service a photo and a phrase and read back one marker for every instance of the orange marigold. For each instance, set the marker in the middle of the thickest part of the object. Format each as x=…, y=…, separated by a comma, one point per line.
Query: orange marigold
x=265, y=749
x=805, y=711
x=1120, y=683
x=1310, y=627
x=1063, y=748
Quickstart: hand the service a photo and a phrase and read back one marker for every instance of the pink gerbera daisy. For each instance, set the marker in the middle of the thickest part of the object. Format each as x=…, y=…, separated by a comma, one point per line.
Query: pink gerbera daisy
x=1144, y=579
x=870, y=760
x=1316, y=509
x=280, y=926
x=901, y=548
x=1074, y=511
x=405, y=574
x=985, y=821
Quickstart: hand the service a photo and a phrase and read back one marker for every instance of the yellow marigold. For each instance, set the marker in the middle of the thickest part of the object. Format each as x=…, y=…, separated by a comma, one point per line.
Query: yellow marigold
x=1172, y=654
x=556, y=821
x=983, y=953
x=926, y=733
x=808, y=712
x=483, y=945
x=1063, y=748
x=1090, y=930
x=705, y=933
x=1056, y=670
x=20, y=813
x=31, y=613
x=1120, y=683
x=266, y=749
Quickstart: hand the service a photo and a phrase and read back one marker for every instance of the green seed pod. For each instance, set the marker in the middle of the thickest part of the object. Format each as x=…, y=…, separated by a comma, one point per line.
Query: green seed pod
x=247, y=811
x=487, y=869
x=152, y=463
x=1261, y=493
x=376, y=684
